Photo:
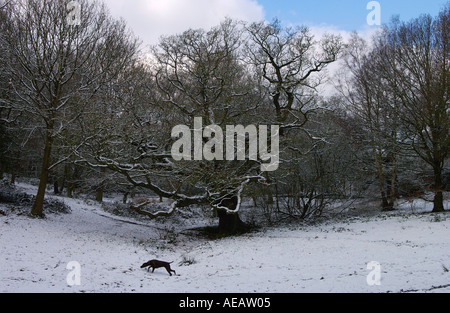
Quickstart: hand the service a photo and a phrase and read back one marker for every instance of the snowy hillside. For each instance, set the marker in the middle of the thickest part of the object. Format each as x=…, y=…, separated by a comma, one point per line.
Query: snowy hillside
x=412, y=249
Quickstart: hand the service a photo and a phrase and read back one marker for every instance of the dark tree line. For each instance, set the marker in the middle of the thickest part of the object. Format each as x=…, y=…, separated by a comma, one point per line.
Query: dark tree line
x=399, y=88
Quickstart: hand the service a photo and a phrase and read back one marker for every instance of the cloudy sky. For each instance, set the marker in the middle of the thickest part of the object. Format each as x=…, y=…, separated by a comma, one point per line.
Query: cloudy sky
x=150, y=19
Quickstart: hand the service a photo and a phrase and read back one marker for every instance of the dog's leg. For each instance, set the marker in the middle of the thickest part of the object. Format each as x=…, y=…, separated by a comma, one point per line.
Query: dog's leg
x=168, y=270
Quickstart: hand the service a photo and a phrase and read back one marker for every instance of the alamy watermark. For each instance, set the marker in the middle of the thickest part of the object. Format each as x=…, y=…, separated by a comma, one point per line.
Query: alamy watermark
x=74, y=13
x=230, y=146
x=374, y=17
x=74, y=276
x=374, y=277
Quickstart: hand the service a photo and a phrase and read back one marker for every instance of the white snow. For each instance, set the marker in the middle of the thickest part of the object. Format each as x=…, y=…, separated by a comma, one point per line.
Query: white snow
x=413, y=250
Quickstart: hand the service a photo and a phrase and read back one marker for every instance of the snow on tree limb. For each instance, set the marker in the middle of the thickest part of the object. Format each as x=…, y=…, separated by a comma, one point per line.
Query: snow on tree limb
x=170, y=212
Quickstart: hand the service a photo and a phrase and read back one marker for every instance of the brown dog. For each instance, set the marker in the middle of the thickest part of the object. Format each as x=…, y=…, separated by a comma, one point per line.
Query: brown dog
x=158, y=264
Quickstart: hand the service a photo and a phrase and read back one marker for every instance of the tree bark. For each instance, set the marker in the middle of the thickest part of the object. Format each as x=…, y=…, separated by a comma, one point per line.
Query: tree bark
x=13, y=177
x=55, y=186
x=38, y=207
x=392, y=187
x=99, y=194
x=230, y=224
x=386, y=206
x=125, y=197
x=439, y=196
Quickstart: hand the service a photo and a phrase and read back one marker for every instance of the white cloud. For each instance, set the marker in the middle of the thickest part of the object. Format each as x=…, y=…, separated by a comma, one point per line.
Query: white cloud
x=320, y=30
x=149, y=19
x=333, y=70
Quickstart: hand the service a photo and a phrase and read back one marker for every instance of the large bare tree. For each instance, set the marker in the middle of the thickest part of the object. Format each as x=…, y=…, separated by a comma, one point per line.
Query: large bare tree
x=291, y=63
x=194, y=76
x=57, y=67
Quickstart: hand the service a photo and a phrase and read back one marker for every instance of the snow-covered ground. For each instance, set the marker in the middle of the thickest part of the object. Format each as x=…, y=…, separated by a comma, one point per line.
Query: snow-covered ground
x=412, y=249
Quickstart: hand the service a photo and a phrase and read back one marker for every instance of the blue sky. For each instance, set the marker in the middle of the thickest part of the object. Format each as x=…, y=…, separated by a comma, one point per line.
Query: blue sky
x=347, y=15
x=152, y=18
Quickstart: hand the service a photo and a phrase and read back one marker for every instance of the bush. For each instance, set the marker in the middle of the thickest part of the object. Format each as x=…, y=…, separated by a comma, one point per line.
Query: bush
x=21, y=203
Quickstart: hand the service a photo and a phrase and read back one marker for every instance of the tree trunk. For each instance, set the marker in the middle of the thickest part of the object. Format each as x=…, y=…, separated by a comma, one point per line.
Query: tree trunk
x=277, y=197
x=63, y=184
x=392, y=183
x=13, y=177
x=15, y=168
x=69, y=190
x=230, y=224
x=99, y=195
x=38, y=207
x=125, y=197
x=71, y=175
x=56, y=186
x=439, y=196
x=68, y=180
x=100, y=188
x=386, y=206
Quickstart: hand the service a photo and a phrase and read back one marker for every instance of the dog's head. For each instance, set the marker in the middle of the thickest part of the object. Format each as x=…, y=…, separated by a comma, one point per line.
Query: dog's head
x=145, y=265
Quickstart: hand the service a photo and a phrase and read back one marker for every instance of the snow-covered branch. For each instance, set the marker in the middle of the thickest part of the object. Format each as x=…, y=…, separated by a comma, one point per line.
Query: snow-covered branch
x=3, y=5
x=238, y=194
x=170, y=212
